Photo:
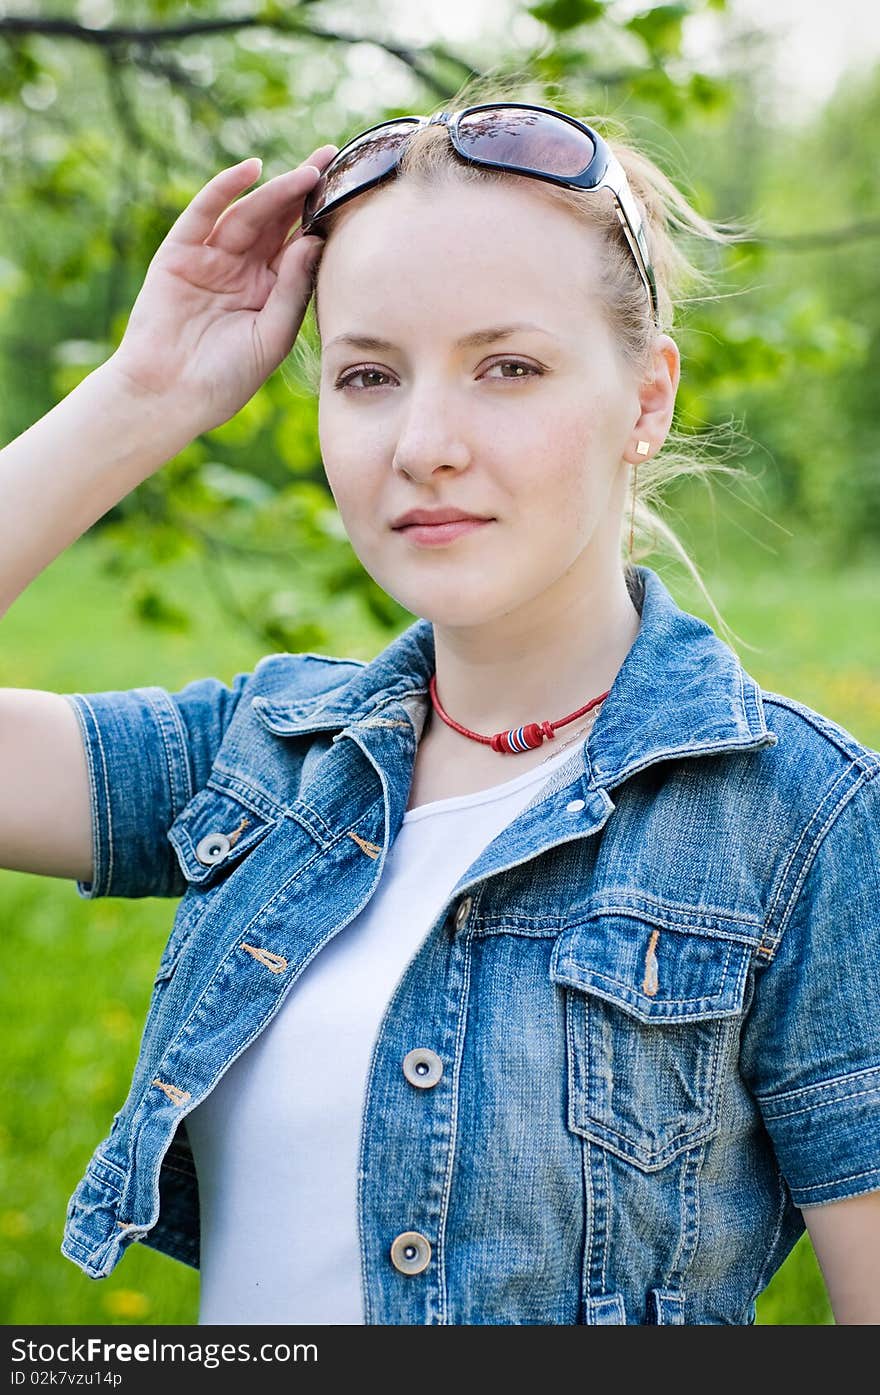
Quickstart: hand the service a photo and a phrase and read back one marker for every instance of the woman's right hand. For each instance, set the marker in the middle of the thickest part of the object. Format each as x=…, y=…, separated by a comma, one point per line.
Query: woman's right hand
x=225, y=294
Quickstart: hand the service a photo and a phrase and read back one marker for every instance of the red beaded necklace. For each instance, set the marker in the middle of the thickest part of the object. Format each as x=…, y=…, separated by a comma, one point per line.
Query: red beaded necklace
x=511, y=743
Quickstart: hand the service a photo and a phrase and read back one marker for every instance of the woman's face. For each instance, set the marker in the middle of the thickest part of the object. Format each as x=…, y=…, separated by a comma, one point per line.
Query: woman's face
x=526, y=426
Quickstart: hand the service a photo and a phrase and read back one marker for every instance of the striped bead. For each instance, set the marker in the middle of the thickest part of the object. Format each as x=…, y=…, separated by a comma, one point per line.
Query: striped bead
x=527, y=738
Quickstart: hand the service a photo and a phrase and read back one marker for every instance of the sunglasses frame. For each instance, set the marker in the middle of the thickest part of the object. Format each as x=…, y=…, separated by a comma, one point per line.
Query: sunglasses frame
x=603, y=172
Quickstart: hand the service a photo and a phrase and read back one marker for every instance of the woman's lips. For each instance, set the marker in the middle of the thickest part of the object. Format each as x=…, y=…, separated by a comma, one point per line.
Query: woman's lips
x=435, y=534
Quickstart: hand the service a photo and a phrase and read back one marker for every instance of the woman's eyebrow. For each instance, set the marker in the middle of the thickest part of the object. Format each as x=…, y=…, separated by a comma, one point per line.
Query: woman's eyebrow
x=476, y=339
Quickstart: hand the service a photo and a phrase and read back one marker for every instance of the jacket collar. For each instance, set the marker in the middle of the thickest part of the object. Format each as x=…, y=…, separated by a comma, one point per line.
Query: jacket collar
x=681, y=691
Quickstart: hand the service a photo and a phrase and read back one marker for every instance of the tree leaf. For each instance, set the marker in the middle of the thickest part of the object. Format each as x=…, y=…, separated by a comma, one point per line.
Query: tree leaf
x=567, y=14
x=660, y=28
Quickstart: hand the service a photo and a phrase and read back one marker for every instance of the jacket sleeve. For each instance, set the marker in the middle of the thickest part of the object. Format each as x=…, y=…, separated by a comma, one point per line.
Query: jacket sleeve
x=811, y=1045
x=148, y=752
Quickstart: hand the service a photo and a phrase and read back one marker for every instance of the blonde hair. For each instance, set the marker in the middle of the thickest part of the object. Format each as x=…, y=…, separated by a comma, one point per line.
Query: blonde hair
x=429, y=159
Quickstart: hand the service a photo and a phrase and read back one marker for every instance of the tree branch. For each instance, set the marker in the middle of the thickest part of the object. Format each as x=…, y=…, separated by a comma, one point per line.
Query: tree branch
x=125, y=33
x=116, y=34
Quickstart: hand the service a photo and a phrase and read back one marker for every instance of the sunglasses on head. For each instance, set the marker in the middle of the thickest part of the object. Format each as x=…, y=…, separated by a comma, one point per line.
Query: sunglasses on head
x=538, y=142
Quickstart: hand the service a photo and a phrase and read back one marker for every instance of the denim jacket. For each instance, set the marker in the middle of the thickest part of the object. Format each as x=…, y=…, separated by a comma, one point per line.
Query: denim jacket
x=654, y=995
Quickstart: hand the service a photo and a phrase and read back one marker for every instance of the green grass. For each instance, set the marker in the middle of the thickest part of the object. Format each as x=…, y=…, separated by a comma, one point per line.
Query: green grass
x=78, y=974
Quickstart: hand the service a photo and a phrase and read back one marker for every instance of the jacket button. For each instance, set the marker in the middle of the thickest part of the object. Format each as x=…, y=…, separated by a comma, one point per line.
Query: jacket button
x=422, y=1067
x=213, y=848
x=574, y=806
x=463, y=912
x=411, y=1252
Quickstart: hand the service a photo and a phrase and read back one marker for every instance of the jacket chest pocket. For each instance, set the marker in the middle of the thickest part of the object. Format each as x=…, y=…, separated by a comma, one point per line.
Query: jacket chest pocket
x=651, y=1016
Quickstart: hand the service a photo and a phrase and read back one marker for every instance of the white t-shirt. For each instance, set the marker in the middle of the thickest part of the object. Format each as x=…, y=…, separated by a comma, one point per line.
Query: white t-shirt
x=276, y=1142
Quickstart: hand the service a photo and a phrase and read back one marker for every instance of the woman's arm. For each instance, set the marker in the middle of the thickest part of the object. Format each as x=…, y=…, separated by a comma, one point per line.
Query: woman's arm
x=221, y=305
x=69, y=468
x=846, y=1238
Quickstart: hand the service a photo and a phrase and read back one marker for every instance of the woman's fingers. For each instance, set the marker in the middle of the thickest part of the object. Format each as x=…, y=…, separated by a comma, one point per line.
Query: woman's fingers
x=276, y=205
x=266, y=214
x=275, y=262
x=213, y=217
x=322, y=156
x=280, y=319
x=201, y=213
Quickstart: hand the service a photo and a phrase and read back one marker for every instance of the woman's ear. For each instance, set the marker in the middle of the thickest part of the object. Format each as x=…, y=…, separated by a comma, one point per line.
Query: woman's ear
x=657, y=395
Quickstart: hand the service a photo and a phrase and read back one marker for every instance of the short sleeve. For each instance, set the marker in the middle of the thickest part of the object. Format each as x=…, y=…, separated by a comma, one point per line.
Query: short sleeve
x=148, y=752
x=811, y=1044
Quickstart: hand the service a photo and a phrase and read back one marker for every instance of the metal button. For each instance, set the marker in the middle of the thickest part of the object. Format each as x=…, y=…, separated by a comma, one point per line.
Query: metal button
x=463, y=912
x=575, y=805
x=411, y=1252
x=213, y=848
x=422, y=1067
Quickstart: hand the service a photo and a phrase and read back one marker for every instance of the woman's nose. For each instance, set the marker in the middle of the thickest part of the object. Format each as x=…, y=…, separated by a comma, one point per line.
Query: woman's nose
x=428, y=441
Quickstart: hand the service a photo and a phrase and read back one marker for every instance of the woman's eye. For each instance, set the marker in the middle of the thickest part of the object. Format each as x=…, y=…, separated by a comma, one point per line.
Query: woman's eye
x=347, y=379
x=520, y=370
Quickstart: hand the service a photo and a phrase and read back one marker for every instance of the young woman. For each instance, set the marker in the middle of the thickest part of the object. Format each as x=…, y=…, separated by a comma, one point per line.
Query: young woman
x=527, y=974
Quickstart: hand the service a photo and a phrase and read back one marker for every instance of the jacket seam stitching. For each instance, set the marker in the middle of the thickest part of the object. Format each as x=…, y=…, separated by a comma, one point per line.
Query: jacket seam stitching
x=163, y=707
x=764, y=1277
x=452, y=1146
x=820, y=1085
x=345, y=718
x=743, y=709
x=74, y=700
x=848, y=794
x=667, y=1002
x=787, y=704
x=839, y=1181
x=821, y=1104
x=772, y=941
x=589, y=1222
x=606, y=1229
x=102, y=884
x=743, y=743
x=653, y=914
x=246, y=793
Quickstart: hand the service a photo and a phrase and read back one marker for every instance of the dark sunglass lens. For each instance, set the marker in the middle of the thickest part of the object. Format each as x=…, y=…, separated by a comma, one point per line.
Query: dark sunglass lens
x=528, y=140
x=366, y=159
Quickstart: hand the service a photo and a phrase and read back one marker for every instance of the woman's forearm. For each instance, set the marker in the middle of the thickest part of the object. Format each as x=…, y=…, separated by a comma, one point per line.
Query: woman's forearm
x=846, y=1239
x=75, y=463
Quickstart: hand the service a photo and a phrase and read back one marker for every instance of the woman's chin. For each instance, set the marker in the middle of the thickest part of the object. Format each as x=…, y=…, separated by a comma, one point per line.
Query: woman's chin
x=454, y=597
x=455, y=611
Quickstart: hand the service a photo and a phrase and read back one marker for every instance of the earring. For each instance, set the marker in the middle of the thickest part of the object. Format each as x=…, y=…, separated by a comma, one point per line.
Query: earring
x=643, y=447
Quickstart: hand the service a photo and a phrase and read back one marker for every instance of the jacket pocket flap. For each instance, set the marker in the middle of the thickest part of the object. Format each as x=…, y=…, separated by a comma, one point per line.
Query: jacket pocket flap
x=652, y=971
x=214, y=832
